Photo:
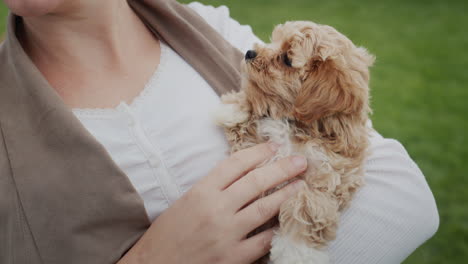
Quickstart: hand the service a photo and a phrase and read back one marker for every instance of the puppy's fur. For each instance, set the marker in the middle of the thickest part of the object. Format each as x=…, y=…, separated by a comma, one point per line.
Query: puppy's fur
x=308, y=91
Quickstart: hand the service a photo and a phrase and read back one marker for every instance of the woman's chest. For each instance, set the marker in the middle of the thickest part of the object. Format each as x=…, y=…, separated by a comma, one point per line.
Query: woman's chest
x=165, y=140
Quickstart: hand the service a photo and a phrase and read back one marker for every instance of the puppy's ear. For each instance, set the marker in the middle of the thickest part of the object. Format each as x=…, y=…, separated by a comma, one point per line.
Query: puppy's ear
x=301, y=47
x=336, y=84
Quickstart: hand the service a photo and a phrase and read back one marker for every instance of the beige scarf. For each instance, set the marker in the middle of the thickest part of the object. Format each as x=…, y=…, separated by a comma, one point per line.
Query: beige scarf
x=62, y=198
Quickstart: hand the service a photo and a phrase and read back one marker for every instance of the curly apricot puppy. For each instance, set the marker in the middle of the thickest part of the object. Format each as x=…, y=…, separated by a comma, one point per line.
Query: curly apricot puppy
x=308, y=91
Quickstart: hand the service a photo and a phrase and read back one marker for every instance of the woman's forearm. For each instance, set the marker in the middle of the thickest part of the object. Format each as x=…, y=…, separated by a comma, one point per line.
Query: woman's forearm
x=393, y=214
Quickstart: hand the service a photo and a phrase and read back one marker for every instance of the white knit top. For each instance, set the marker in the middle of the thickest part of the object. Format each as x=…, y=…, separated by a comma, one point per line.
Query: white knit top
x=165, y=140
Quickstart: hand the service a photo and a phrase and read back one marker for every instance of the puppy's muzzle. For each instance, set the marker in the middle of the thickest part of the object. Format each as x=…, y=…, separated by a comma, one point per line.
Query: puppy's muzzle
x=250, y=55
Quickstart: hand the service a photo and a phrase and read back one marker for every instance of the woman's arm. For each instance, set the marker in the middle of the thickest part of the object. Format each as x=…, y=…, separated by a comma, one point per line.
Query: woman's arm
x=392, y=214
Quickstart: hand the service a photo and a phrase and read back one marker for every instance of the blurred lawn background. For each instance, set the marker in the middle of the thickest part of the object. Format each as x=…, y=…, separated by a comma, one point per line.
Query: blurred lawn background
x=419, y=88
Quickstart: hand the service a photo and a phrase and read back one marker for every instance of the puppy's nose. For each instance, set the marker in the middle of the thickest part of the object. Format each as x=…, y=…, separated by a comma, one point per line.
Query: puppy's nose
x=251, y=54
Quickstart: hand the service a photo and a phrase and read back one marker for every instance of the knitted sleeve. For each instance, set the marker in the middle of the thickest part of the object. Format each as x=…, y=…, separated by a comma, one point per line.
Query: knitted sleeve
x=393, y=214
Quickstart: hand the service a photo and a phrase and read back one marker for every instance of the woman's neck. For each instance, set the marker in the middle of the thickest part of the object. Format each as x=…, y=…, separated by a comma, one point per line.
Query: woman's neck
x=99, y=34
x=94, y=54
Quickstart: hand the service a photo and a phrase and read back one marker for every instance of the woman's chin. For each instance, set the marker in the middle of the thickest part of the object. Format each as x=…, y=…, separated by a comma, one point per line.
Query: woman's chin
x=33, y=8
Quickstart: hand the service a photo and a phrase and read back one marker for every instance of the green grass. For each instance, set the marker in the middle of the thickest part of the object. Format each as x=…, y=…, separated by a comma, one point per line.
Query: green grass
x=3, y=14
x=418, y=86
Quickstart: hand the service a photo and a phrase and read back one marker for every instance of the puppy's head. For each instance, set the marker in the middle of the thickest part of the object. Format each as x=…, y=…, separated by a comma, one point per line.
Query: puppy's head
x=306, y=73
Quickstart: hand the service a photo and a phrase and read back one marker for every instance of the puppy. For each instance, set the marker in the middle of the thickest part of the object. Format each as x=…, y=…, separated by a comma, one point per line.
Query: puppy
x=307, y=91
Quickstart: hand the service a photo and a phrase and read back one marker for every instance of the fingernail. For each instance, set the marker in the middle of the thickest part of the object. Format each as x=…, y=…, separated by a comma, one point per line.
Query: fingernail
x=299, y=161
x=273, y=146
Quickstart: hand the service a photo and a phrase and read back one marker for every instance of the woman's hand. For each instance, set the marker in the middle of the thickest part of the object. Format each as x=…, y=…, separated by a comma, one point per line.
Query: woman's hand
x=210, y=222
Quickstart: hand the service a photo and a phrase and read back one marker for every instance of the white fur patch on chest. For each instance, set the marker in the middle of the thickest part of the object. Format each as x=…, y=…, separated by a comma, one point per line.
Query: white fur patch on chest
x=319, y=163
x=280, y=132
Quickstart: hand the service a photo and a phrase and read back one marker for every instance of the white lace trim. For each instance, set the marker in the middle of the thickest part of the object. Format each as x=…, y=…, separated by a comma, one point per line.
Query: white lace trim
x=151, y=84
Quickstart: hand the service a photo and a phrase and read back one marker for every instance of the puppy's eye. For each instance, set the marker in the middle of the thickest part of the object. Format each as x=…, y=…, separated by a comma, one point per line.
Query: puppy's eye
x=286, y=60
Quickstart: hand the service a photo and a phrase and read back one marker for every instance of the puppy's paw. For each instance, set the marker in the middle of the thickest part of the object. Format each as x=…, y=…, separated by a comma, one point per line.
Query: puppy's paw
x=286, y=251
x=233, y=98
x=230, y=115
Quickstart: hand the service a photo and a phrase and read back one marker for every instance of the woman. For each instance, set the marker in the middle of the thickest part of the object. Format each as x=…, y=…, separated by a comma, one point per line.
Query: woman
x=174, y=197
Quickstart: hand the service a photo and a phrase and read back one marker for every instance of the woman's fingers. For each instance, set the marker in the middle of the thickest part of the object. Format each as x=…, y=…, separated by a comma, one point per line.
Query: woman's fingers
x=256, y=246
x=262, y=179
x=238, y=164
x=267, y=207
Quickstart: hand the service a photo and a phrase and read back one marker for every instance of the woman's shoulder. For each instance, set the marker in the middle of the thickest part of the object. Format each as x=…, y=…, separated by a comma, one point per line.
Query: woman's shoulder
x=238, y=35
